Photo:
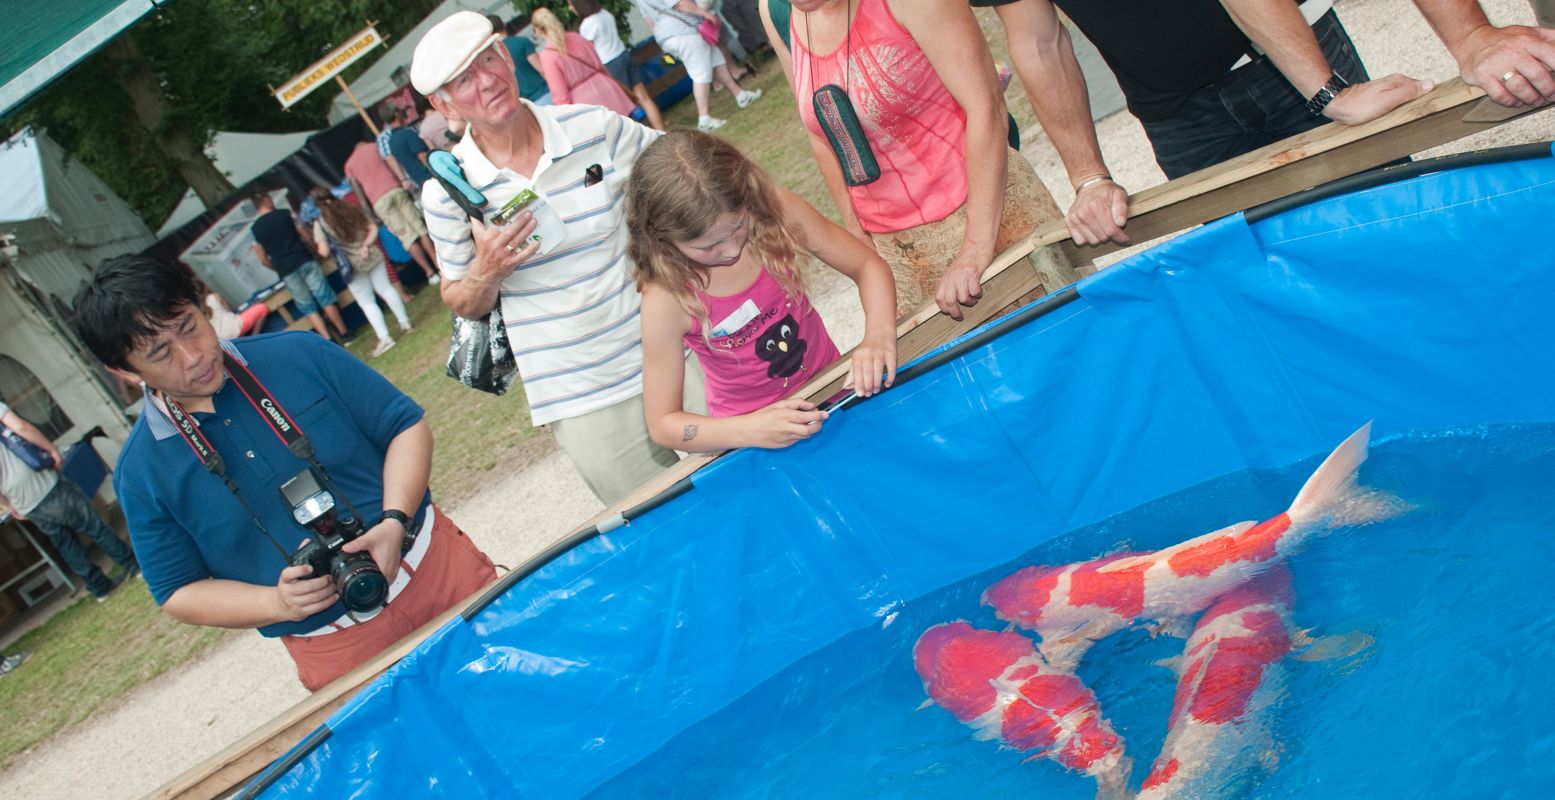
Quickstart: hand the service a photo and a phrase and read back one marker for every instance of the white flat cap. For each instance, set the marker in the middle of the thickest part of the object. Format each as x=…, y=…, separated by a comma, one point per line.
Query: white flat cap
x=448, y=49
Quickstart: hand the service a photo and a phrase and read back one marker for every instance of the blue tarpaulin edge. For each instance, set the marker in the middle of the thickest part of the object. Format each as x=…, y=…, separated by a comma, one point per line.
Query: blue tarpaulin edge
x=1418, y=304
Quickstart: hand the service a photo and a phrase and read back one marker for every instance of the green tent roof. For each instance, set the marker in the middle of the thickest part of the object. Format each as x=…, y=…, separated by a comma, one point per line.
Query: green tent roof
x=41, y=41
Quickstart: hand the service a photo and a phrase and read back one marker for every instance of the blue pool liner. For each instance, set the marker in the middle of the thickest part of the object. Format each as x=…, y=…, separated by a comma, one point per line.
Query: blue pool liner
x=1419, y=298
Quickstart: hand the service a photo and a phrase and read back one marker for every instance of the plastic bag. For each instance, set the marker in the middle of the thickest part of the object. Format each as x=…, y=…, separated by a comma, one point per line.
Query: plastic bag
x=479, y=355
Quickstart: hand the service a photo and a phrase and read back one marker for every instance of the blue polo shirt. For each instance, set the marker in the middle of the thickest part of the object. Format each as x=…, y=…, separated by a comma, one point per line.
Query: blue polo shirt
x=405, y=145
x=531, y=84
x=187, y=526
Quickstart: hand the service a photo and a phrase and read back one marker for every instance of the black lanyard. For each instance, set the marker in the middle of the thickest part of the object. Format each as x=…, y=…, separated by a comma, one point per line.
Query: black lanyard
x=280, y=423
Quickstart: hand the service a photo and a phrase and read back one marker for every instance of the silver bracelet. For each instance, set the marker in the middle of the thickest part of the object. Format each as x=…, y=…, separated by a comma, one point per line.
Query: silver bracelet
x=1092, y=181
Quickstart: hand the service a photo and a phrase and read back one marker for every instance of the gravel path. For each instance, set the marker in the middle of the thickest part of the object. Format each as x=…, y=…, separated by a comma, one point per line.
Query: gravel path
x=162, y=729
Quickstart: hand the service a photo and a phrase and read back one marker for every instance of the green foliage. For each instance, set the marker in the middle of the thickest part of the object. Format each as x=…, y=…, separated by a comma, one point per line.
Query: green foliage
x=216, y=60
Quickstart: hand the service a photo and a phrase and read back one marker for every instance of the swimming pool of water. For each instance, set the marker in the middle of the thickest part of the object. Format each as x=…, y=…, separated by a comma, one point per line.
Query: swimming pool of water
x=1452, y=699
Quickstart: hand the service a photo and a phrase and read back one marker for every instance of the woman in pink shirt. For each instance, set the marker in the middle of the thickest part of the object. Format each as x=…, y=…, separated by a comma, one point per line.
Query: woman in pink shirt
x=573, y=70
x=714, y=246
x=907, y=123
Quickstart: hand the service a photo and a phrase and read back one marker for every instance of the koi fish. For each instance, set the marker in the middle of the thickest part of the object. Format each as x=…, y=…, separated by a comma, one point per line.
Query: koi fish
x=1071, y=607
x=997, y=683
x=1231, y=671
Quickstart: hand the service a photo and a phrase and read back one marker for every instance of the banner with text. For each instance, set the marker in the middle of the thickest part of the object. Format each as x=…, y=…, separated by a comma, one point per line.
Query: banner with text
x=303, y=84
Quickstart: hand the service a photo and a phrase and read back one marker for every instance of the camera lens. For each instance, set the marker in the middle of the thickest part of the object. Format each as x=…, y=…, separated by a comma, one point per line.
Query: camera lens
x=360, y=583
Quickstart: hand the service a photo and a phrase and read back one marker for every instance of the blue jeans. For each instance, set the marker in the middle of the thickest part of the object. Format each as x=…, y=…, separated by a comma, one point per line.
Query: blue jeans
x=310, y=291
x=1251, y=107
x=66, y=511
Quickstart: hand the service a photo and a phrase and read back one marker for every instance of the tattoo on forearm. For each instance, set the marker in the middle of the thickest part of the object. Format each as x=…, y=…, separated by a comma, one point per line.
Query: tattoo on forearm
x=688, y=433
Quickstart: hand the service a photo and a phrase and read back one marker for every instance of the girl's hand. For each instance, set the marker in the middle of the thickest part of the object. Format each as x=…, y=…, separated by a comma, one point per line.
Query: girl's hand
x=875, y=355
x=361, y=253
x=782, y=423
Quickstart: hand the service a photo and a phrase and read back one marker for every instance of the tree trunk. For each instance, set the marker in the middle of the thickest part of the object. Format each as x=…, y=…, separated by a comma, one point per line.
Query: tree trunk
x=154, y=112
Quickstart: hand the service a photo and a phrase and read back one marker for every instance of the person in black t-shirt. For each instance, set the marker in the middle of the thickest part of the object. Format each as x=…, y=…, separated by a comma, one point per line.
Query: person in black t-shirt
x=1210, y=81
x=280, y=246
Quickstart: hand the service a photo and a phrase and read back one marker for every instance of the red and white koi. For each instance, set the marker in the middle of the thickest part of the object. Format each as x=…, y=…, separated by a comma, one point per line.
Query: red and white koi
x=998, y=684
x=1230, y=673
x=1070, y=607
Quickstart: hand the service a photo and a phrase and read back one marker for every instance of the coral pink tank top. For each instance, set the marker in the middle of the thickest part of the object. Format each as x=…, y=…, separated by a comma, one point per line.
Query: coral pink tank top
x=915, y=127
x=764, y=346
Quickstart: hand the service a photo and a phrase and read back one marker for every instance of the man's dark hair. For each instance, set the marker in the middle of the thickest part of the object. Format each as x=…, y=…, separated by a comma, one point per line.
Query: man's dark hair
x=260, y=197
x=388, y=113
x=514, y=25
x=128, y=300
x=586, y=8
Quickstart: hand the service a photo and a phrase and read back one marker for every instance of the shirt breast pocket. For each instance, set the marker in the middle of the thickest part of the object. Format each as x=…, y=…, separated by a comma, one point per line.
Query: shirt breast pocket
x=336, y=440
x=587, y=211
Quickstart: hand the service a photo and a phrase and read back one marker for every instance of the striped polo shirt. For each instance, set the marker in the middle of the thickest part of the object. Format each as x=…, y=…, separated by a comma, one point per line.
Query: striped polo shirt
x=571, y=314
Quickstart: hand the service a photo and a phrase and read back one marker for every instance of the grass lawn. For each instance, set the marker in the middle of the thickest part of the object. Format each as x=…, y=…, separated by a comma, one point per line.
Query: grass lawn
x=475, y=431
x=86, y=658
x=91, y=654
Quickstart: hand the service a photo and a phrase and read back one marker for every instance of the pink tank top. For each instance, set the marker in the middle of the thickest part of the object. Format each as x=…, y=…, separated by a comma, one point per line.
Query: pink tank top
x=764, y=347
x=915, y=127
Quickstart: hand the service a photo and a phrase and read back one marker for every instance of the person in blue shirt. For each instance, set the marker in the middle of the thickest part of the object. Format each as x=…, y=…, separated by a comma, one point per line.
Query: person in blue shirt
x=405, y=146
x=526, y=62
x=217, y=555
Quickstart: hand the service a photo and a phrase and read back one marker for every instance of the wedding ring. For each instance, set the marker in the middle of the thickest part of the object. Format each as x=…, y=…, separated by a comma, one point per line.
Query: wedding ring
x=1508, y=76
x=511, y=249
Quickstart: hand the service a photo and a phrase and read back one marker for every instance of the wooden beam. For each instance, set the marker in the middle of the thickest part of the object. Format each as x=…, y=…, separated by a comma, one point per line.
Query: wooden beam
x=1450, y=112
x=1016, y=277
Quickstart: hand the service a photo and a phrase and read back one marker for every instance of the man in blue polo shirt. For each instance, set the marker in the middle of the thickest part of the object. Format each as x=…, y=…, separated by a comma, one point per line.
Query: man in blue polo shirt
x=215, y=553
x=405, y=146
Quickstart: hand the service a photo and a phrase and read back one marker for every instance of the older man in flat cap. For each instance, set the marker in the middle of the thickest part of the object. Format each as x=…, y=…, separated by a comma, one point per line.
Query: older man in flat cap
x=567, y=298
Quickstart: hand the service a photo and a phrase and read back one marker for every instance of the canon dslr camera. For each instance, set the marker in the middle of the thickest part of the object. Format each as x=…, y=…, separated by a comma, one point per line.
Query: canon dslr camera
x=358, y=580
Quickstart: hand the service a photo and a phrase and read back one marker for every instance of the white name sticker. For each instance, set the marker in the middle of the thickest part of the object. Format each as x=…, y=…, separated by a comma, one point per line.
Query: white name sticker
x=732, y=323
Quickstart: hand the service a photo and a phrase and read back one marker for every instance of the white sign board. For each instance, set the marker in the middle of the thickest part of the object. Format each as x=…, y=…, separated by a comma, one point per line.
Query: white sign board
x=303, y=84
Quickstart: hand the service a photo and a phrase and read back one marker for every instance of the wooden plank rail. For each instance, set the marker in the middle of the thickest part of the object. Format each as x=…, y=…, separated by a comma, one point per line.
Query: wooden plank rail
x=1448, y=113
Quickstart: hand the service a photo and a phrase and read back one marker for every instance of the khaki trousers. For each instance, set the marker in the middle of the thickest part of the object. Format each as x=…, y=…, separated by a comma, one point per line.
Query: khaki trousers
x=611, y=448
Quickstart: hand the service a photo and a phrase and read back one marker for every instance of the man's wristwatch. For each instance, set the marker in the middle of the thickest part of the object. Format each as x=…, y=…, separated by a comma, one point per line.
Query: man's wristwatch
x=409, y=537
x=1326, y=93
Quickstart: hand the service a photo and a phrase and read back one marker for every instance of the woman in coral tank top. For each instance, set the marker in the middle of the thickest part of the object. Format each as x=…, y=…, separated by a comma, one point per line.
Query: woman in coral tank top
x=907, y=122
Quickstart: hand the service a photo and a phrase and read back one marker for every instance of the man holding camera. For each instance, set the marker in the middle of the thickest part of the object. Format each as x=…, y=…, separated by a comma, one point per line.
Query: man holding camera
x=226, y=426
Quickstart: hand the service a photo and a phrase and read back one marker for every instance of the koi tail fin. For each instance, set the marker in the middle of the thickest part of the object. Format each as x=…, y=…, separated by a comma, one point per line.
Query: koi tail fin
x=1333, y=481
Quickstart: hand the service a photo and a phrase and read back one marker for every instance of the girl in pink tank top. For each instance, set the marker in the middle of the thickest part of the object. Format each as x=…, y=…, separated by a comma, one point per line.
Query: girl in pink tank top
x=714, y=246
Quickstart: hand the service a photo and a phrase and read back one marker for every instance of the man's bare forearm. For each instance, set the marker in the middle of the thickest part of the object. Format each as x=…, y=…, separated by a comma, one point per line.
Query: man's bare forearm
x=470, y=297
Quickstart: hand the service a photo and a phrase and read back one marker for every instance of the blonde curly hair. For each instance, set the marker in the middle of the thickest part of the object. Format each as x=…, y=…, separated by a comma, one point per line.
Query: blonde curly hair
x=679, y=187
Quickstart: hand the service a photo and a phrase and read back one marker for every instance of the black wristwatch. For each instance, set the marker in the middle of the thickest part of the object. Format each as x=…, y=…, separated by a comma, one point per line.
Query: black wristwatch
x=1326, y=94
x=409, y=538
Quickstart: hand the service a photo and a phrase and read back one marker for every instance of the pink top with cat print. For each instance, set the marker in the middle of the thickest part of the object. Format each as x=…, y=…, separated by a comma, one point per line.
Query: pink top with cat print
x=763, y=346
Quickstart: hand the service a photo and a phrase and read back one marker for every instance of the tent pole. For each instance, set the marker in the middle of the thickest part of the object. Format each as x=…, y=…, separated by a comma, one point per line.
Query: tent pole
x=355, y=102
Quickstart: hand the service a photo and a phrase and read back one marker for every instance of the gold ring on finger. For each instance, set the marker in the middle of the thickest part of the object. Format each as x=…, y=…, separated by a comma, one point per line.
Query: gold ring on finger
x=512, y=249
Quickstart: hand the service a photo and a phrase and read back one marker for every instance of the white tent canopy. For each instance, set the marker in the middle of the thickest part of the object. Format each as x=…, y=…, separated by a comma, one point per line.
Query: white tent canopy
x=65, y=218
x=242, y=157
x=65, y=221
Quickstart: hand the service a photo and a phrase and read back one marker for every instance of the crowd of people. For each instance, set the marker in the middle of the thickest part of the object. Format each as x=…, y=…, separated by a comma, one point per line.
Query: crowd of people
x=671, y=313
